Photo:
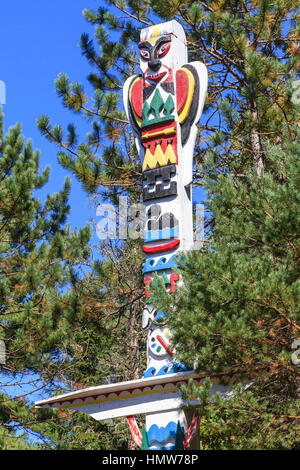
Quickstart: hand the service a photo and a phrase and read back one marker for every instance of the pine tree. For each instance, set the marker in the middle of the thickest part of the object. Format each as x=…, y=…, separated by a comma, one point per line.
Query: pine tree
x=238, y=313
x=39, y=256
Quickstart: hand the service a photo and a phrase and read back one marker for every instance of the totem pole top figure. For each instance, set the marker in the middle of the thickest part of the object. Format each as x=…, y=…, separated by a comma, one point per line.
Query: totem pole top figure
x=165, y=102
x=167, y=43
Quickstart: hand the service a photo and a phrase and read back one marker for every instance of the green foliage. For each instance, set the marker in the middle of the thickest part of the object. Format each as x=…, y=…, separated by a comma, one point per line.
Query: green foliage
x=238, y=313
x=169, y=8
x=39, y=256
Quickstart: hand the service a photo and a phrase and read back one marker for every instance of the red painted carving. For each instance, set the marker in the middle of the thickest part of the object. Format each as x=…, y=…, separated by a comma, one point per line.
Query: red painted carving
x=167, y=349
x=173, y=279
x=137, y=97
x=147, y=281
x=182, y=87
x=160, y=248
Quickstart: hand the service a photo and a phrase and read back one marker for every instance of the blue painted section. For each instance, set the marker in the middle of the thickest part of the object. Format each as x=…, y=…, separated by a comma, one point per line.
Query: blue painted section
x=162, y=434
x=177, y=367
x=160, y=316
x=149, y=372
x=164, y=448
x=164, y=234
x=162, y=371
x=162, y=263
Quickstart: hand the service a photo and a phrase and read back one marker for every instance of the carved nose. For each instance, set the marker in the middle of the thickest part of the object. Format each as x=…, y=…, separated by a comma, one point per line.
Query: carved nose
x=154, y=64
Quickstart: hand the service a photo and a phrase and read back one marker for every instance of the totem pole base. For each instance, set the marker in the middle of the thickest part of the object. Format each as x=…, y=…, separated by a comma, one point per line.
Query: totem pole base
x=159, y=398
x=163, y=105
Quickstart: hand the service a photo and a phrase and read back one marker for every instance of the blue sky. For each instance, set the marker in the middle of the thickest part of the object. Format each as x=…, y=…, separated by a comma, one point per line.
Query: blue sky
x=38, y=40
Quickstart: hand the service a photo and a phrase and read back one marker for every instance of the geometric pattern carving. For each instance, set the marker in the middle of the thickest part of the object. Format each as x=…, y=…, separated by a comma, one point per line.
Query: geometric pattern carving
x=165, y=188
x=160, y=157
x=161, y=111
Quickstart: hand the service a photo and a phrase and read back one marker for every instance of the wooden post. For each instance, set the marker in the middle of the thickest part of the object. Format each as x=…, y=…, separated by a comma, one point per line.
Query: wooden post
x=164, y=104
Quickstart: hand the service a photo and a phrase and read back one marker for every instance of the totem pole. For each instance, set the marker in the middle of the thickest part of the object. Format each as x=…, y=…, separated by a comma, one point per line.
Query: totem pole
x=164, y=105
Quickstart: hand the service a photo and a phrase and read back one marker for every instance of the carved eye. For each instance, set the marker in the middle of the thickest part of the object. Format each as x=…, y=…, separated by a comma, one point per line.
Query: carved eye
x=144, y=54
x=164, y=48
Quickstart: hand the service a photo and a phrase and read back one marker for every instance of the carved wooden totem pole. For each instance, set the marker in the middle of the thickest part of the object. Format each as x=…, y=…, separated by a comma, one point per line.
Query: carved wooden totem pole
x=164, y=105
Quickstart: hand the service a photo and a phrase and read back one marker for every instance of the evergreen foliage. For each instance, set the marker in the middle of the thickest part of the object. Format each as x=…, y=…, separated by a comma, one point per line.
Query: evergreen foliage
x=39, y=255
x=237, y=315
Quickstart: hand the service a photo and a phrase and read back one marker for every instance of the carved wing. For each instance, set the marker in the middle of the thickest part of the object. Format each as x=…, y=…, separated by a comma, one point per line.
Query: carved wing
x=187, y=89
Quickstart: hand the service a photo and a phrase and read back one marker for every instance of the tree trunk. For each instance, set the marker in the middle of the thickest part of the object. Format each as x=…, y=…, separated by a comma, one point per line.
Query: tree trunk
x=134, y=353
x=257, y=154
x=134, y=341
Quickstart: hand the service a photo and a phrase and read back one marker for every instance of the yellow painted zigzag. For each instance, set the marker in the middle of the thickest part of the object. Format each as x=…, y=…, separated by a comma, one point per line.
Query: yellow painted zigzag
x=159, y=158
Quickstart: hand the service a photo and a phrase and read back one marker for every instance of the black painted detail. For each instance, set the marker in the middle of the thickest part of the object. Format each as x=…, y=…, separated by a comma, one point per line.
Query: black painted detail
x=168, y=87
x=188, y=191
x=154, y=190
x=158, y=221
x=147, y=92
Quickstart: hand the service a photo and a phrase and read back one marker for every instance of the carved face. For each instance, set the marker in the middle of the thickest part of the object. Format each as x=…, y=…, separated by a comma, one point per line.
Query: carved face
x=156, y=58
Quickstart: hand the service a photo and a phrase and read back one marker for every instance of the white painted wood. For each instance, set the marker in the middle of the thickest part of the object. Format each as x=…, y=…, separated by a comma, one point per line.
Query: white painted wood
x=142, y=396
x=127, y=386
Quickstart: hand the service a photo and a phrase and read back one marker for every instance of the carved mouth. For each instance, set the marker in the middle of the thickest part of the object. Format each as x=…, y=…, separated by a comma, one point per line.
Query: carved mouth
x=156, y=76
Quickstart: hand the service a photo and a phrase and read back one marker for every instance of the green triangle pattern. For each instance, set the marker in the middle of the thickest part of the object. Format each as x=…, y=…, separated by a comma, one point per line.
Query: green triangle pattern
x=157, y=106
